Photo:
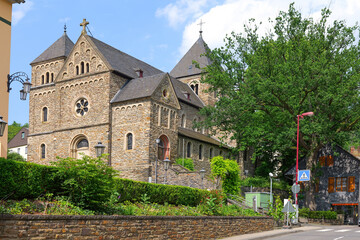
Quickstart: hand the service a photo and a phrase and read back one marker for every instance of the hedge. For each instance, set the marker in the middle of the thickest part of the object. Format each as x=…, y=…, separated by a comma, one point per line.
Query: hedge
x=305, y=212
x=20, y=180
x=178, y=195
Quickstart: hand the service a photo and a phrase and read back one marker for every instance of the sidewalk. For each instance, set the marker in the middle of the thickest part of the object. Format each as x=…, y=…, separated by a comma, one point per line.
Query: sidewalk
x=273, y=233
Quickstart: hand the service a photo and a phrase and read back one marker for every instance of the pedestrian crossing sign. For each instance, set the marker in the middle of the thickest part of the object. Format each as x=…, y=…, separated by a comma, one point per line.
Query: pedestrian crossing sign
x=304, y=175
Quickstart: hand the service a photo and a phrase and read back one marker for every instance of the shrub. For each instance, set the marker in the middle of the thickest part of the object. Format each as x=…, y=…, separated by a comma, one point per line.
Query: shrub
x=264, y=182
x=305, y=212
x=186, y=162
x=15, y=156
x=20, y=180
x=228, y=172
x=88, y=181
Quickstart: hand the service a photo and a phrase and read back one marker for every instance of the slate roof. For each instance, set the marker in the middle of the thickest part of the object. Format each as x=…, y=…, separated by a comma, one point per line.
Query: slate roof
x=122, y=62
x=185, y=67
x=181, y=89
x=60, y=48
x=17, y=141
x=145, y=87
x=138, y=88
x=199, y=136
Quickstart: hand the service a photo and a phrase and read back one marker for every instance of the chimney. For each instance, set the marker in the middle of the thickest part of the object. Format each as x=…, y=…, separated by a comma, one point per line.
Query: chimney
x=139, y=72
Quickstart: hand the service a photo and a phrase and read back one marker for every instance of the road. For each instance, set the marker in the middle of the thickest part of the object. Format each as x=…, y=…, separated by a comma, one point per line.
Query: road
x=325, y=233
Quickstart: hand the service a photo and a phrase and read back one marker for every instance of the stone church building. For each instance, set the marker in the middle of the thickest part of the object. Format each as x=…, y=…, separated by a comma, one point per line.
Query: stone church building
x=90, y=92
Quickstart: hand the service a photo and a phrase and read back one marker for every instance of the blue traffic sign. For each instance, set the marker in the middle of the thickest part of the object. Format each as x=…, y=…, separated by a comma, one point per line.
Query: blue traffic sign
x=304, y=175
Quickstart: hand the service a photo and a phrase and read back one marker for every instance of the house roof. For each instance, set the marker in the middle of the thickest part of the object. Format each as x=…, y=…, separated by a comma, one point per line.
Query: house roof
x=185, y=66
x=138, y=88
x=199, y=136
x=60, y=48
x=145, y=87
x=302, y=161
x=122, y=62
x=17, y=140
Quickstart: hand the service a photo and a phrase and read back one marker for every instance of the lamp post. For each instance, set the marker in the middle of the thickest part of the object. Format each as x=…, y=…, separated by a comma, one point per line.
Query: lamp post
x=18, y=76
x=271, y=198
x=166, y=167
x=156, y=157
x=202, y=176
x=301, y=116
x=2, y=126
x=99, y=148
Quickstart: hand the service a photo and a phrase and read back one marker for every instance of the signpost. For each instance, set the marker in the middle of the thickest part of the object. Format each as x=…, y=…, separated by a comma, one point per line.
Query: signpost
x=288, y=208
x=295, y=188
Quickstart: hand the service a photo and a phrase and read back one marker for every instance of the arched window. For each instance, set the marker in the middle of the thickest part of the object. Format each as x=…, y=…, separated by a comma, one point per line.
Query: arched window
x=129, y=141
x=82, y=67
x=195, y=88
x=188, y=150
x=47, y=77
x=42, y=79
x=211, y=153
x=52, y=77
x=220, y=154
x=43, y=151
x=183, y=120
x=77, y=70
x=163, y=148
x=194, y=125
x=87, y=67
x=200, y=151
x=79, y=147
x=45, y=114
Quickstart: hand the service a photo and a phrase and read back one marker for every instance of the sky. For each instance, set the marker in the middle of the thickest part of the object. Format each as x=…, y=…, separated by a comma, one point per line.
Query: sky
x=158, y=32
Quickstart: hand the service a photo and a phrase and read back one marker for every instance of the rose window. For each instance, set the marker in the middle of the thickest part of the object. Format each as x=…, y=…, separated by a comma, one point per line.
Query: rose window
x=82, y=107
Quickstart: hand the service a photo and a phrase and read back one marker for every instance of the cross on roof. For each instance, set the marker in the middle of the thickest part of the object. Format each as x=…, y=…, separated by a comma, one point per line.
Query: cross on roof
x=83, y=24
x=201, y=23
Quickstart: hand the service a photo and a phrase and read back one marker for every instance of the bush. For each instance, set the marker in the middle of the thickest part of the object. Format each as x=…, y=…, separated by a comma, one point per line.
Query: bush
x=20, y=180
x=89, y=182
x=305, y=212
x=186, y=162
x=264, y=182
x=134, y=191
x=15, y=156
x=228, y=172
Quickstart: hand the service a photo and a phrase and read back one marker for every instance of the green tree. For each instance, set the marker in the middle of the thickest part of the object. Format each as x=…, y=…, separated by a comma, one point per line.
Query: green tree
x=15, y=156
x=264, y=81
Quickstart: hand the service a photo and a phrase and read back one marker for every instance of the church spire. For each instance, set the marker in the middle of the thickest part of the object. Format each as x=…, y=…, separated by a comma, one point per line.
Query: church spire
x=65, y=28
x=201, y=23
x=83, y=24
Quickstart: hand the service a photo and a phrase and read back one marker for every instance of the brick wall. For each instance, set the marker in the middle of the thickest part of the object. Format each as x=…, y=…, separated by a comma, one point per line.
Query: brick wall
x=128, y=227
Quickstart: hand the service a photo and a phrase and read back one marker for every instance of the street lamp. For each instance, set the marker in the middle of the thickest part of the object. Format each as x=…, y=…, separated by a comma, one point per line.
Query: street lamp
x=202, y=175
x=99, y=148
x=271, y=198
x=166, y=167
x=18, y=76
x=2, y=126
x=156, y=157
x=301, y=116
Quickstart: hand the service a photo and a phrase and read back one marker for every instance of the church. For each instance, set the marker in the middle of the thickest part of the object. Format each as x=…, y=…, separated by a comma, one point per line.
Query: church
x=90, y=92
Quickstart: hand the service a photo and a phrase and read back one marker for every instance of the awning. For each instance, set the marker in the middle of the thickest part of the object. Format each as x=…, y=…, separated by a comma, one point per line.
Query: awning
x=344, y=204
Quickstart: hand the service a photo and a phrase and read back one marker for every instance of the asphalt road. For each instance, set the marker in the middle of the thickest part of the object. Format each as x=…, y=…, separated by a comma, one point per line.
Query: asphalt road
x=325, y=233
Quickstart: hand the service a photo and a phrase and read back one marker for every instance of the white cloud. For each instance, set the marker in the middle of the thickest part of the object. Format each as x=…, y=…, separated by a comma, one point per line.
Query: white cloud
x=20, y=10
x=180, y=11
x=233, y=14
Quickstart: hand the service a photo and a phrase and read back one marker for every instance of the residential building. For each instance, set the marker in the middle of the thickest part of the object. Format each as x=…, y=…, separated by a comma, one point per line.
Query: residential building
x=18, y=143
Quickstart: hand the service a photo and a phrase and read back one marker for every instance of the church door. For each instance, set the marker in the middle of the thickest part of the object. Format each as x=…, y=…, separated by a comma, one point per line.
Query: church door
x=164, y=148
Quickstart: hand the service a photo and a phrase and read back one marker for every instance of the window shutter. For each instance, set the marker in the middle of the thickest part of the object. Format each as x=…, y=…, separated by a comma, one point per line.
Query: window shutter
x=351, y=184
x=322, y=161
x=330, y=161
x=331, y=184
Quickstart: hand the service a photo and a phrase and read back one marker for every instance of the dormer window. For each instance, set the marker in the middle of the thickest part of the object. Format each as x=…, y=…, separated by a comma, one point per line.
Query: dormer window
x=139, y=72
x=187, y=95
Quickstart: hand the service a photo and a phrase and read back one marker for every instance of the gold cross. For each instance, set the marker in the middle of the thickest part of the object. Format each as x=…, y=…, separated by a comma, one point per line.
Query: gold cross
x=83, y=24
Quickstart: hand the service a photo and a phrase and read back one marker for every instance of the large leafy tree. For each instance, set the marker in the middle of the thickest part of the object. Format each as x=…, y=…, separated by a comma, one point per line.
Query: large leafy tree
x=14, y=128
x=264, y=81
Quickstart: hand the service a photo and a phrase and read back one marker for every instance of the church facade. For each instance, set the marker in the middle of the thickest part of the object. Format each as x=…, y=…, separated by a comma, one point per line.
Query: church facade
x=88, y=92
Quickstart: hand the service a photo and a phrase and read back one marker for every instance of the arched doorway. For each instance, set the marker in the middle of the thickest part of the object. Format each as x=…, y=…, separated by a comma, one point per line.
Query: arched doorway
x=164, y=148
x=79, y=147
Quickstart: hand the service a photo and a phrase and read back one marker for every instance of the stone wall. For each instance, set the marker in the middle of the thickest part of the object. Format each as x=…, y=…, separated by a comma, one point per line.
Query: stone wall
x=128, y=227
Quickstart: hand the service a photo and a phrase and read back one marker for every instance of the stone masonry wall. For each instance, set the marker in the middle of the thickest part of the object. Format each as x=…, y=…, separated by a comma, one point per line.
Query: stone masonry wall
x=128, y=227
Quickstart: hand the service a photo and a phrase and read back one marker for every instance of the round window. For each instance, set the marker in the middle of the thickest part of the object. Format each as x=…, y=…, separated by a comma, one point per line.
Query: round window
x=165, y=93
x=81, y=107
